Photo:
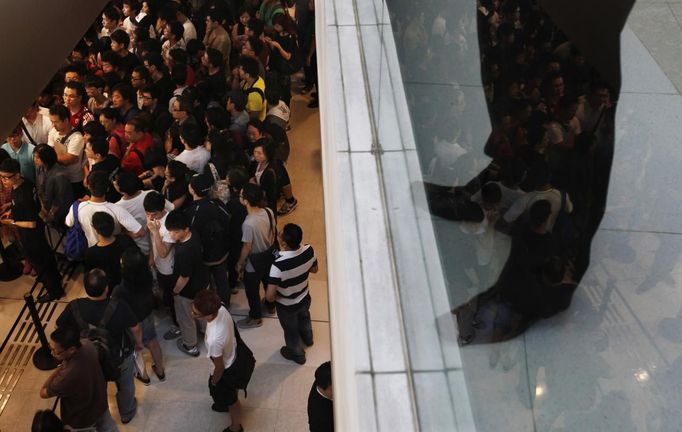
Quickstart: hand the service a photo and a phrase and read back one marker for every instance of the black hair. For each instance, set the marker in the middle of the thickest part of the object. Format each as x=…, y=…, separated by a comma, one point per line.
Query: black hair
x=112, y=58
x=179, y=56
x=112, y=13
x=135, y=272
x=237, y=177
x=491, y=193
x=268, y=147
x=215, y=57
x=143, y=71
x=292, y=235
x=126, y=91
x=176, y=29
x=218, y=118
x=78, y=68
x=539, y=213
x=215, y=15
x=155, y=157
x=153, y=90
x=179, y=74
x=323, y=375
x=256, y=26
x=154, y=202
x=103, y=223
x=95, y=282
x=94, y=81
x=120, y=37
x=154, y=59
x=98, y=183
x=110, y=113
x=129, y=183
x=60, y=111
x=177, y=169
x=46, y=154
x=95, y=129
x=191, y=134
x=67, y=337
x=10, y=166
x=177, y=220
x=250, y=66
x=75, y=85
x=99, y=145
x=253, y=194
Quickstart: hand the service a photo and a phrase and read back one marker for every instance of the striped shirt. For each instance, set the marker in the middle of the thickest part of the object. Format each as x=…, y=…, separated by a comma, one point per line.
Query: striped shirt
x=290, y=273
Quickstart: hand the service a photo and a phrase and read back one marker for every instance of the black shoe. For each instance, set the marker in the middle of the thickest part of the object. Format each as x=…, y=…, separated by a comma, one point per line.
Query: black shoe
x=217, y=408
x=47, y=297
x=287, y=354
x=241, y=429
x=308, y=343
x=146, y=381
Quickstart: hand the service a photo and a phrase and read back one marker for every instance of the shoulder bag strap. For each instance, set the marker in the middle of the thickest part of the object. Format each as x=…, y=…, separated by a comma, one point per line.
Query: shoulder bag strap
x=108, y=312
x=30, y=138
x=214, y=172
x=273, y=227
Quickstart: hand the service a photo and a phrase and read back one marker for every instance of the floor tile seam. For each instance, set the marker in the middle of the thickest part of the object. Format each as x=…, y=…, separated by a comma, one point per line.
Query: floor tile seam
x=652, y=54
x=406, y=371
x=639, y=231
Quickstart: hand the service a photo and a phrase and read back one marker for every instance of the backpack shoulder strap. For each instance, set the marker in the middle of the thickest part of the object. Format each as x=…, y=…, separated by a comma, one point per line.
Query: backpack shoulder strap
x=253, y=89
x=76, y=222
x=273, y=226
x=108, y=312
x=76, y=312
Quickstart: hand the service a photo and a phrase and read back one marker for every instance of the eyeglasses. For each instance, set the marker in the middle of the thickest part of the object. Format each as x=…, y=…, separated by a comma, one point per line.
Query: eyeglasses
x=196, y=314
x=4, y=177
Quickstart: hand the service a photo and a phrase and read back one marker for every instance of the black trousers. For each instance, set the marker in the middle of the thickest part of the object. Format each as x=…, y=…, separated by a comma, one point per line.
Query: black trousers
x=41, y=257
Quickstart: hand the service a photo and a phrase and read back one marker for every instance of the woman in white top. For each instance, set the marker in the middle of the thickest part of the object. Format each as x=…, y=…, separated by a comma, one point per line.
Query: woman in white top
x=230, y=371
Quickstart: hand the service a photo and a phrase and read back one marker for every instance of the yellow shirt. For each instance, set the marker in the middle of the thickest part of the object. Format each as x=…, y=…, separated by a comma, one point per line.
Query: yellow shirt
x=255, y=101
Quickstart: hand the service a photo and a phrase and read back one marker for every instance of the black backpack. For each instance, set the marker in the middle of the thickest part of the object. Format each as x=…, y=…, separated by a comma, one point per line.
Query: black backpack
x=109, y=352
x=213, y=233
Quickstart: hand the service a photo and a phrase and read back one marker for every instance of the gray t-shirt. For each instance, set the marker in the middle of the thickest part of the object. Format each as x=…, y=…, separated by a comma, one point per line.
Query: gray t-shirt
x=256, y=230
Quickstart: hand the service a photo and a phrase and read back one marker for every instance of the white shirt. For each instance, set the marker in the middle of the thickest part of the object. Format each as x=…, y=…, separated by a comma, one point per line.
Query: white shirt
x=39, y=129
x=280, y=110
x=195, y=159
x=220, y=340
x=164, y=265
x=135, y=206
x=190, y=32
x=523, y=204
x=74, y=145
x=88, y=208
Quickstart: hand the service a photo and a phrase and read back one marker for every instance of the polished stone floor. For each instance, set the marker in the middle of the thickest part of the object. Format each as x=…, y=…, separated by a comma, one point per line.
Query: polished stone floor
x=278, y=391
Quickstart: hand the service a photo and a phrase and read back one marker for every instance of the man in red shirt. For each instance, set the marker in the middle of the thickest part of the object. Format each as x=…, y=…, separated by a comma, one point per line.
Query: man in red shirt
x=80, y=115
x=140, y=141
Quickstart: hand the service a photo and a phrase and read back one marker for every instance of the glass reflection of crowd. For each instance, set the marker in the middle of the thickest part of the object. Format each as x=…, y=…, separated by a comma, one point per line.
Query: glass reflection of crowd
x=551, y=147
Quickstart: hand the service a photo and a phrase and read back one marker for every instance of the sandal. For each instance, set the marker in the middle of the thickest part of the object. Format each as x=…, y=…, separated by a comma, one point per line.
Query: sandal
x=161, y=377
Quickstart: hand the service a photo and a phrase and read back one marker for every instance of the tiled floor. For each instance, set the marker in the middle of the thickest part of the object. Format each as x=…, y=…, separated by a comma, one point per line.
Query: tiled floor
x=278, y=391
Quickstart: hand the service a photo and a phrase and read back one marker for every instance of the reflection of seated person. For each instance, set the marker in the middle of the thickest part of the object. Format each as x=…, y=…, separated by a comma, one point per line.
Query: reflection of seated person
x=530, y=287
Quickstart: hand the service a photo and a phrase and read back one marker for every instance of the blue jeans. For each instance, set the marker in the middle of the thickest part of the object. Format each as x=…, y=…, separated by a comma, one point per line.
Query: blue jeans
x=125, y=394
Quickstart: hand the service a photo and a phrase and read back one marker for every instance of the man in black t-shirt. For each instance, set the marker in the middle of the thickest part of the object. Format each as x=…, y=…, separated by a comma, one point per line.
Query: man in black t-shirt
x=320, y=400
x=123, y=319
x=192, y=277
x=106, y=253
x=23, y=213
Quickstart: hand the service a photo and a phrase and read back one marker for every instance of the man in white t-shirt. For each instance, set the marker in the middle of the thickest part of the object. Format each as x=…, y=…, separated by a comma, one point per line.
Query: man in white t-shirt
x=98, y=182
x=232, y=368
x=130, y=186
x=69, y=145
x=195, y=155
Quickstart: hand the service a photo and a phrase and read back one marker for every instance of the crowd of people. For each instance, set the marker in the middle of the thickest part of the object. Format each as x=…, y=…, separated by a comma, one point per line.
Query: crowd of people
x=552, y=116
x=159, y=152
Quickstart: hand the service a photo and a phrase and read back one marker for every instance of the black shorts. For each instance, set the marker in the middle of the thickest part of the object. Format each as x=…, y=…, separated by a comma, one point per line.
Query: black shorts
x=234, y=378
